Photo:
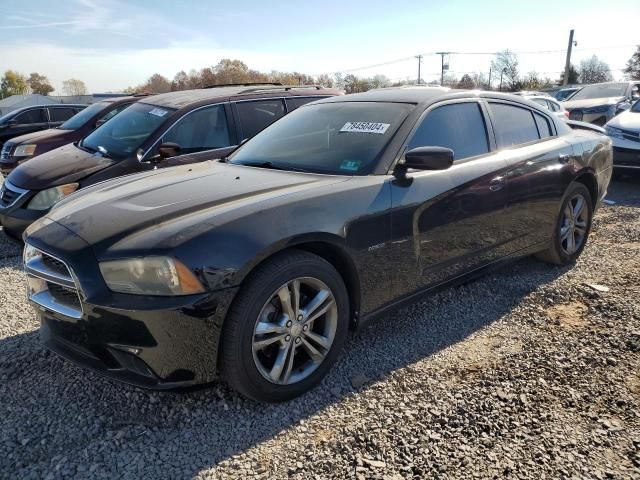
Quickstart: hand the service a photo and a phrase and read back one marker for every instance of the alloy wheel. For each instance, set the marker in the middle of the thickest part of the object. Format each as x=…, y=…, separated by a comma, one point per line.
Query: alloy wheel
x=575, y=221
x=295, y=330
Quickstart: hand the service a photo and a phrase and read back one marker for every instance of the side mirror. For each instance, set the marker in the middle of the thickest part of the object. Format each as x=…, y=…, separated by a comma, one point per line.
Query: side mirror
x=169, y=149
x=427, y=158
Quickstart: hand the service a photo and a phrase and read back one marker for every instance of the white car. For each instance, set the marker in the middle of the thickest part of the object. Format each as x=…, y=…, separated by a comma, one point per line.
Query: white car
x=624, y=130
x=551, y=104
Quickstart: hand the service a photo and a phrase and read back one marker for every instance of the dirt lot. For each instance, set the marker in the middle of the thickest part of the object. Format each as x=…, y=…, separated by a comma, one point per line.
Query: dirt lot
x=532, y=372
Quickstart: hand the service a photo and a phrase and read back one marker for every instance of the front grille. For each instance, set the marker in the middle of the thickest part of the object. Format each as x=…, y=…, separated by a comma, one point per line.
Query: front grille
x=631, y=135
x=51, y=284
x=575, y=115
x=6, y=149
x=9, y=194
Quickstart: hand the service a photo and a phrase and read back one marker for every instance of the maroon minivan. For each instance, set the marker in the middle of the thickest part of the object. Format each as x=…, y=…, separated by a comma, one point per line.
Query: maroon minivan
x=25, y=147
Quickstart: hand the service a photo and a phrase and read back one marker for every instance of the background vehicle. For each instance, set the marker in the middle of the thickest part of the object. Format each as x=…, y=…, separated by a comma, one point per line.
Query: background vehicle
x=188, y=126
x=565, y=93
x=25, y=147
x=600, y=102
x=36, y=118
x=331, y=216
x=550, y=104
x=624, y=131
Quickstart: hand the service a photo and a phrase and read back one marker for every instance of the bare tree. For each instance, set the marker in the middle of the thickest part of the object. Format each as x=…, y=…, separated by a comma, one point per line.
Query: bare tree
x=506, y=64
x=632, y=70
x=74, y=87
x=594, y=70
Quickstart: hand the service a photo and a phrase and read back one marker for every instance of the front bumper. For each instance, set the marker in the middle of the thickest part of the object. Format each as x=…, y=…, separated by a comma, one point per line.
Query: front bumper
x=599, y=118
x=626, y=158
x=151, y=342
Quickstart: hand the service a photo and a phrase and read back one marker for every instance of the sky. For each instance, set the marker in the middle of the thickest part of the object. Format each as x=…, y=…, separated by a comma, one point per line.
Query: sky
x=111, y=45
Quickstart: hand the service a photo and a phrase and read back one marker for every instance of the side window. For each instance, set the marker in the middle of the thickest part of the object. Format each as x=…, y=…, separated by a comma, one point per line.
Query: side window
x=112, y=113
x=61, y=114
x=543, y=126
x=201, y=130
x=513, y=125
x=459, y=126
x=554, y=106
x=541, y=101
x=256, y=116
x=36, y=115
x=295, y=102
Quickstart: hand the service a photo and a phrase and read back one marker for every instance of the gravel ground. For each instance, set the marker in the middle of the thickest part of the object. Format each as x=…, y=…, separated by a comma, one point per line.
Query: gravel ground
x=532, y=372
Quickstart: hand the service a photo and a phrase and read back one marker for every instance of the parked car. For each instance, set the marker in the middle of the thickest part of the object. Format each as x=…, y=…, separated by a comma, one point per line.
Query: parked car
x=26, y=147
x=600, y=102
x=35, y=118
x=550, y=104
x=531, y=93
x=188, y=126
x=565, y=93
x=257, y=266
x=624, y=131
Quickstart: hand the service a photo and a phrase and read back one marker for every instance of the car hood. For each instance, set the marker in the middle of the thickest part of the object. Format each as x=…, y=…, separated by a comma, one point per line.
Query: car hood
x=628, y=120
x=591, y=102
x=63, y=165
x=36, y=136
x=125, y=208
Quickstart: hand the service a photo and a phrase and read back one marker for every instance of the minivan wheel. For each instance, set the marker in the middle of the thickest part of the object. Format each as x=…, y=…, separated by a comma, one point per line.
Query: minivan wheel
x=572, y=227
x=285, y=328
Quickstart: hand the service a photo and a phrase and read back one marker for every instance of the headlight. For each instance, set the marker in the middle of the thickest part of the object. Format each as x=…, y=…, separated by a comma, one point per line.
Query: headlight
x=46, y=199
x=613, y=132
x=24, y=150
x=150, y=276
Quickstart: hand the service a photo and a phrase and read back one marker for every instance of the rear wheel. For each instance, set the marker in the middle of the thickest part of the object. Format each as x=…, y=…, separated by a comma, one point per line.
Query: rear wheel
x=285, y=328
x=572, y=227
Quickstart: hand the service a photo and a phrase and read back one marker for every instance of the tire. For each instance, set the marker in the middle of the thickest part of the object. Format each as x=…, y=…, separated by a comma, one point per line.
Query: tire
x=560, y=252
x=258, y=315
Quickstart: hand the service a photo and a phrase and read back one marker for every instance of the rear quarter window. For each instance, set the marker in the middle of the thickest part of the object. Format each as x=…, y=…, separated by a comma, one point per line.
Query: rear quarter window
x=255, y=116
x=295, y=102
x=513, y=125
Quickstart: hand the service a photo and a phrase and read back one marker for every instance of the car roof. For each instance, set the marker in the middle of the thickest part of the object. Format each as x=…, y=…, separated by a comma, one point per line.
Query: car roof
x=423, y=95
x=48, y=105
x=186, y=98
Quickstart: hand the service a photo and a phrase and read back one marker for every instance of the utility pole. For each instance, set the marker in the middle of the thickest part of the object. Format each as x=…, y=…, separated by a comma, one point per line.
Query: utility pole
x=419, y=57
x=501, y=74
x=489, y=78
x=442, y=54
x=567, y=64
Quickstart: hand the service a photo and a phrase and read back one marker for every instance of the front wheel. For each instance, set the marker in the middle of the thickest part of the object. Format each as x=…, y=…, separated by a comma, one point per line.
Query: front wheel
x=572, y=227
x=285, y=328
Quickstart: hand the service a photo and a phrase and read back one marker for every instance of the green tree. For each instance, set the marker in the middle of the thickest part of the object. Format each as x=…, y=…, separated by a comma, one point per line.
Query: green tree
x=13, y=83
x=74, y=87
x=466, y=82
x=506, y=64
x=632, y=69
x=594, y=70
x=39, y=84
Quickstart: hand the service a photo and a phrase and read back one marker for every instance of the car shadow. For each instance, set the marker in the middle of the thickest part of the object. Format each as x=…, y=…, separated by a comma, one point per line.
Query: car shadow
x=56, y=413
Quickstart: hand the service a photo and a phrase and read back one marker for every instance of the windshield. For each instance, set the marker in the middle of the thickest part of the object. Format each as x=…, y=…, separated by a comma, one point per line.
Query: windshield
x=604, y=90
x=127, y=131
x=79, y=119
x=342, y=138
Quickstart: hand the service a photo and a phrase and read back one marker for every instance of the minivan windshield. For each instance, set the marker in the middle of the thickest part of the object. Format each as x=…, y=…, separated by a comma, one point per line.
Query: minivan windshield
x=341, y=138
x=79, y=119
x=603, y=90
x=126, y=132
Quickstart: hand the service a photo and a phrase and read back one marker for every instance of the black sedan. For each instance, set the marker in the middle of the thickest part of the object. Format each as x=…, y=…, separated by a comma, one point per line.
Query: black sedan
x=256, y=266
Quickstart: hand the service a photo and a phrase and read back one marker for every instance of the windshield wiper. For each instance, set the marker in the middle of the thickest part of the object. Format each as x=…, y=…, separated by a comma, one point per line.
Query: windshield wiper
x=272, y=166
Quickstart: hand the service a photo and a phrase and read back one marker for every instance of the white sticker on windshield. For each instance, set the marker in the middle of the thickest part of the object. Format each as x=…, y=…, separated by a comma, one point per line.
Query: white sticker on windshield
x=365, y=127
x=158, y=112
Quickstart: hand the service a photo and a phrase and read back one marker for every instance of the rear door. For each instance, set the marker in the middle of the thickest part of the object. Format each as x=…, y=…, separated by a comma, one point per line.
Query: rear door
x=59, y=115
x=536, y=158
x=448, y=222
x=253, y=116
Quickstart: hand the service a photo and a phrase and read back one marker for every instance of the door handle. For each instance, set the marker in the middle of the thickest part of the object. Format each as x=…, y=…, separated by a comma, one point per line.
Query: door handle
x=564, y=158
x=496, y=184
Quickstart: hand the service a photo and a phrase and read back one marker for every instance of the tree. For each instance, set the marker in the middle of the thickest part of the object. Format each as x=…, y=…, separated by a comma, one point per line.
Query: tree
x=156, y=84
x=506, y=63
x=324, y=80
x=74, y=87
x=594, y=70
x=480, y=81
x=466, y=82
x=231, y=71
x=574, y=76
x=632, y=69
x=13, y=83
x=39, y=84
